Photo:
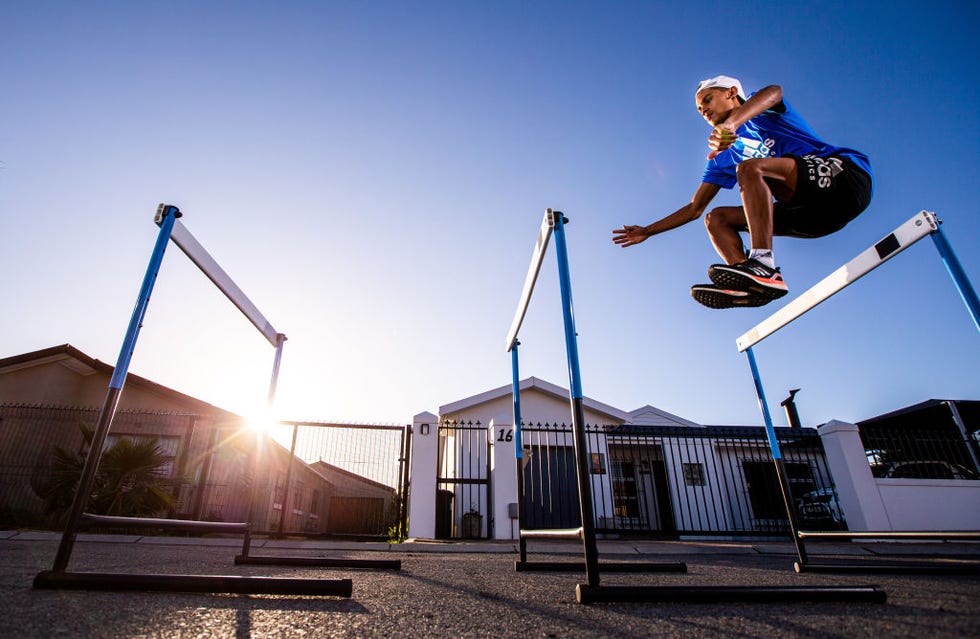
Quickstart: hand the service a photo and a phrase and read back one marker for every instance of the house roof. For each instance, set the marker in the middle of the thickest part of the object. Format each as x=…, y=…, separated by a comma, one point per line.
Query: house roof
x=930, y=404
x=321, y=466
x=650, y=416
x=541, y=386
x=82, y=364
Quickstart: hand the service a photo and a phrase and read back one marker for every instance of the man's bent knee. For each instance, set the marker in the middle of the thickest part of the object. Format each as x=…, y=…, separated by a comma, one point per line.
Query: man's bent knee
x=750, y=170
x=726, y=216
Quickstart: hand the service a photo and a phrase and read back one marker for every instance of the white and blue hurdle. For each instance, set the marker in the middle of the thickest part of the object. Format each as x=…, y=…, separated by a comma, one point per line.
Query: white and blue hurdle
x=593, y=592
x=171, y=229
x=922, y=225
x=553, y=224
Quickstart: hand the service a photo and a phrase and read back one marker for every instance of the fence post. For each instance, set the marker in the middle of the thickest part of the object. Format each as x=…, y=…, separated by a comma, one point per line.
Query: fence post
x=857, y=490
x=503, y=477
x=422, y=494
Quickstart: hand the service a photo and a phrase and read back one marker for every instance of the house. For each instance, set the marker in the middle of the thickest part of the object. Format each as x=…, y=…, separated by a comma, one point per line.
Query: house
x=46, y=396
x=357, y=505
x=658, y=474
x=652, y=472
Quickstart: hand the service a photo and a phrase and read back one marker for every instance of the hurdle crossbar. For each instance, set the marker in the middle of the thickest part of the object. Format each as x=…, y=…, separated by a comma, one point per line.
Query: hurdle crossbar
x=553, y=533
x=537, y=256
x=184, y=525
x=916, y=228
x=203, y=260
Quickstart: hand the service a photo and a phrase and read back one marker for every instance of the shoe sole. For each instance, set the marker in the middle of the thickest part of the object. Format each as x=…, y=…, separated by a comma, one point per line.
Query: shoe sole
x=719, y=299
x=737, y=280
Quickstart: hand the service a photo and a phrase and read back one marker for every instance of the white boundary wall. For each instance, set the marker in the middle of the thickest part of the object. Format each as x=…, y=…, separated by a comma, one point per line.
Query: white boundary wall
x=901, y=505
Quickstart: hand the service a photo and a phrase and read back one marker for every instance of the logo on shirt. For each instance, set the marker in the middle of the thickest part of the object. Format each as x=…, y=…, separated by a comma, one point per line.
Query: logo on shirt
x=752, y=148
x=822, y=170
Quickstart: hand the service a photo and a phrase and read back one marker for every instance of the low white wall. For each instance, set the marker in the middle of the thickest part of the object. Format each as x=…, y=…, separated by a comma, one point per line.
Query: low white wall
x=931, y=504
x=899, y=505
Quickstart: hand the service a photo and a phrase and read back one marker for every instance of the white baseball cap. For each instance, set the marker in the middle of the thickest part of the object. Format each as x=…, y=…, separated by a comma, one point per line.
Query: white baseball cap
x=721, y=82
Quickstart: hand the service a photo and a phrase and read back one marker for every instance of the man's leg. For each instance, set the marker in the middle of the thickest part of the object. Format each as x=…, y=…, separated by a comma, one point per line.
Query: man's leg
x=760, y=181
x=723, y=225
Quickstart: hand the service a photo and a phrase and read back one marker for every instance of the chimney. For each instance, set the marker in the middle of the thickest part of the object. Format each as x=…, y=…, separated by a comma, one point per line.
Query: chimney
x=791, y=413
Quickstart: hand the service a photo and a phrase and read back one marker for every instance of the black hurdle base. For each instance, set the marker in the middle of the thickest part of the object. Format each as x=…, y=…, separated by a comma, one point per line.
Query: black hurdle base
x=586, y=594
x=890, y=567
x=320, y=562
x=59, y=580
x=579, y=566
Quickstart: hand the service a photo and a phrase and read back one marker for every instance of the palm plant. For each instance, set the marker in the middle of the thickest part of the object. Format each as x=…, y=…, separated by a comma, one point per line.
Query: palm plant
x=129, y=480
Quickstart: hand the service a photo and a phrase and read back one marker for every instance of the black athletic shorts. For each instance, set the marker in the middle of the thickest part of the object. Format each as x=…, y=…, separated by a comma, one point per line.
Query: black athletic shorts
x=830, y=192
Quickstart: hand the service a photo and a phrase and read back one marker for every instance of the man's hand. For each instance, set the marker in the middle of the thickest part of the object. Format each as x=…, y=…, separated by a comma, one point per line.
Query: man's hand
x=722, y=137
x=630, y=235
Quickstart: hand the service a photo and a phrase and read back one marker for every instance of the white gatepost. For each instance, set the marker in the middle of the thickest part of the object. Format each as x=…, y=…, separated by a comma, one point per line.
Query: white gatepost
x=503, y=477
x=423, y=468
x=857, y=490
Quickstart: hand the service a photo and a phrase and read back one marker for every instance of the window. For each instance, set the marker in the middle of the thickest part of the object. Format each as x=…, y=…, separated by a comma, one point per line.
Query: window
x=598, y=463
x=693, y=474
x=297, y=500
x=280, y=492
x=625, y=498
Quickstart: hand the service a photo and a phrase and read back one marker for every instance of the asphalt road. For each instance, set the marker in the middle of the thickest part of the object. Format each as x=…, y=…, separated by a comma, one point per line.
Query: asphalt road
x=472, y=590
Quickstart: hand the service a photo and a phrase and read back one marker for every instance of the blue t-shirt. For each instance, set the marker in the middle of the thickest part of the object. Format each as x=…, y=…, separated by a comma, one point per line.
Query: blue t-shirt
x=774, y=134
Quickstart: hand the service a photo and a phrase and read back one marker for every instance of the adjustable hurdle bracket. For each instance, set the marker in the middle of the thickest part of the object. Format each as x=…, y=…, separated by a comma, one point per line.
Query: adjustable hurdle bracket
x=554, y=216
x=166, y=209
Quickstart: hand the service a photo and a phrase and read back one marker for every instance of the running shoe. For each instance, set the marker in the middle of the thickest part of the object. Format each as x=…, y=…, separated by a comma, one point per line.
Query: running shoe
x=751, y=276
x=716, y=297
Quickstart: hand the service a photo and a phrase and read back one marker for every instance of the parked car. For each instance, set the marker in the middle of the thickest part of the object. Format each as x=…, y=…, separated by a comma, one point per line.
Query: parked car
x=820, y=510
x=927, y=469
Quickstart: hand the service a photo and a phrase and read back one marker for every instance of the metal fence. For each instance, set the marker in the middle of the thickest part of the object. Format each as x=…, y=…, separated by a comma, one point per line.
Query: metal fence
x=360, y=483
x=340, y=479
x=669, y=481
x=936, y=439
x=648, y=481
x=31, y=436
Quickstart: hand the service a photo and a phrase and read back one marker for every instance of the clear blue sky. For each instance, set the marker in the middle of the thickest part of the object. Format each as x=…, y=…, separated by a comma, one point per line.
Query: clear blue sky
x=373, y=175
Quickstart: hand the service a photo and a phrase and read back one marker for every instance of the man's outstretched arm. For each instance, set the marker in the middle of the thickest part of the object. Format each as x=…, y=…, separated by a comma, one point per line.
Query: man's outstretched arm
x=632, y=234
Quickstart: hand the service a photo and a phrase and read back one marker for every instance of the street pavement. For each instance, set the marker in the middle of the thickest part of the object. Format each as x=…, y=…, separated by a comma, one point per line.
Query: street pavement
x=471, y=589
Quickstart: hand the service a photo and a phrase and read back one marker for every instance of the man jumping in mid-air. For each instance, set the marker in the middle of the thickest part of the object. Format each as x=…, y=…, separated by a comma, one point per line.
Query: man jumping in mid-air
x=764, y=146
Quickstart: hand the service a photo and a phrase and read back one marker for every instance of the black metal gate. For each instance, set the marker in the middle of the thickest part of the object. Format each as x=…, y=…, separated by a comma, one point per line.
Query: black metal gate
x=462, y=481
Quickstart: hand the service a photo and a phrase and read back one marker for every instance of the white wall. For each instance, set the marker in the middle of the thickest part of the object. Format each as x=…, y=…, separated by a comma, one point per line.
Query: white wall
x=931, y=504
x=422, y=493
x=899, y=505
